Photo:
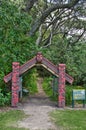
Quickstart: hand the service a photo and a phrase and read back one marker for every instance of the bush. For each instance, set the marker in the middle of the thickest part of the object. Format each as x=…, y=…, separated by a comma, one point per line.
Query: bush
x=4, y=98
x=30, y=81
x=47, y=86
x=15, y=45
x=68, y=95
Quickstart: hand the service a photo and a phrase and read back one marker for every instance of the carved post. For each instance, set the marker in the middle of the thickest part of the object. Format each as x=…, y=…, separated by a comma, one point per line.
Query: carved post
x=61, y=86
x=15, y=84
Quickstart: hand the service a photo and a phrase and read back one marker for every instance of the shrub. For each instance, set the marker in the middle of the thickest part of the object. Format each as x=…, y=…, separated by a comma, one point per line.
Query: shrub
x=15, y=45
x=47, y=86
x=4, y=98
x=68, y=95
x=30, y=81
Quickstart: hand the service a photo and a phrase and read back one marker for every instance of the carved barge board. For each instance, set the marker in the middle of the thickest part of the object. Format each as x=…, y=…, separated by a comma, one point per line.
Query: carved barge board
x=49, y=70
x=25, y=67
x=55, y=69
x=45, y=63
x=8, y=77
x=28, y=65
x=50, y=65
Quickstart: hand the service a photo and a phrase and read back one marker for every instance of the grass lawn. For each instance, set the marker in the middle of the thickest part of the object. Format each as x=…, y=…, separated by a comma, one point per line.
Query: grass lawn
x=8, y=119
x=69, y=119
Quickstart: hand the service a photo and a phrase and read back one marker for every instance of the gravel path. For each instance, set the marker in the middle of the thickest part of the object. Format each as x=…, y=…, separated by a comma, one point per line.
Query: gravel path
x=38, y=108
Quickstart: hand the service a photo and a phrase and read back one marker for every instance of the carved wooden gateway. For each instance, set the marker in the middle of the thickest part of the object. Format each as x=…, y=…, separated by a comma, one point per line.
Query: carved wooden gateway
x=18, y=70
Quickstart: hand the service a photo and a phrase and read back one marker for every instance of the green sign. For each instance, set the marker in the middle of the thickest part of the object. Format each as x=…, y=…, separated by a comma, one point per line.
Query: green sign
x=79, y=94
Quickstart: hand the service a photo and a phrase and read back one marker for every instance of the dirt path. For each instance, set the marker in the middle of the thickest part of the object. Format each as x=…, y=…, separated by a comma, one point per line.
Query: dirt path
x=38, y=108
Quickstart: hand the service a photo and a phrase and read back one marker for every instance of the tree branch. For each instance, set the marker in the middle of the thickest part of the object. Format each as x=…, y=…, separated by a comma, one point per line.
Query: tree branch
x=47, y=12
x=30, y=4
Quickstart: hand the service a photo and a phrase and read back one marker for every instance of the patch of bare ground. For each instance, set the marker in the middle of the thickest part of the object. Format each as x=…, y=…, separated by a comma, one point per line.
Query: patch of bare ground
x=37, y=108
x=5, y=109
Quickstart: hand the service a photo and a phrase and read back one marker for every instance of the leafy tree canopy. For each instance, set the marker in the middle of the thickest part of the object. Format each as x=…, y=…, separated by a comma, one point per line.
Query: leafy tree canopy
x=14, y=42
x=54, y=17
x=56, y=28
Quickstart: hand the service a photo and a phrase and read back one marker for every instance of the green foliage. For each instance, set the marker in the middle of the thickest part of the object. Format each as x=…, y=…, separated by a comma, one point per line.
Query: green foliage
x=68, y=94
x=47, y=86
x=30, y=81
x=56, y=52
x=15, y=43
x=4, y=98
x=69, y=119
x=74, y=56
x=8, y=120
x=76, y=63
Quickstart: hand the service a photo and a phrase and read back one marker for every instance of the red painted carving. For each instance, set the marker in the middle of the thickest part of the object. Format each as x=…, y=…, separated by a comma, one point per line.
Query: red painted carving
x=50, y=65
x=55, y=69
x=61, y=86
x=23, y=68
x=39, y=57
x=19, y=70
x=15, y=84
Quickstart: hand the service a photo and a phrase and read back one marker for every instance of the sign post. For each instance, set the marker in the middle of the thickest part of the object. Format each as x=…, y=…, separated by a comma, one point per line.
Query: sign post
x=78, y=94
